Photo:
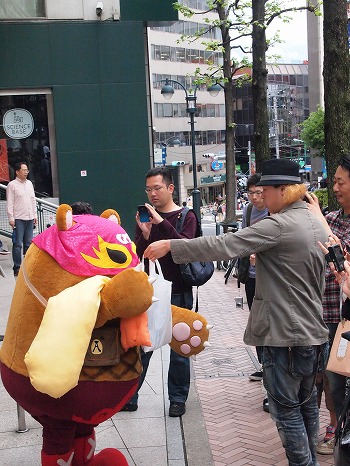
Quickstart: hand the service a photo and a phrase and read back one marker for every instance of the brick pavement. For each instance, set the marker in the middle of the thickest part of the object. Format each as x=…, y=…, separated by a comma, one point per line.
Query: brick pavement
x=239, y=431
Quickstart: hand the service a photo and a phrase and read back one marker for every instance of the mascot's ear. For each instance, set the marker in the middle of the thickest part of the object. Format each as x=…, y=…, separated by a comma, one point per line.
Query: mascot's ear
x=64, y=217
x=111, y=214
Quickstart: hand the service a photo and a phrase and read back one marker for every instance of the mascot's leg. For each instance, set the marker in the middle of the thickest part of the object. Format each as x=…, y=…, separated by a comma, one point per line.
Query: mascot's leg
x=84, y=449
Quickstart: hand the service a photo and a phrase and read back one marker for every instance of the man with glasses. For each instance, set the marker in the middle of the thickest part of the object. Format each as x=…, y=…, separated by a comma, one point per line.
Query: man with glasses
x=164, y=214
x=21, y=211
x=254, y=211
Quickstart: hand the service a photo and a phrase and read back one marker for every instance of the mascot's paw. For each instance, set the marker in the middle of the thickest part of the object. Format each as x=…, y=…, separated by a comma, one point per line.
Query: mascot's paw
x=119, y=294
x=190, y=332
x=109, y=457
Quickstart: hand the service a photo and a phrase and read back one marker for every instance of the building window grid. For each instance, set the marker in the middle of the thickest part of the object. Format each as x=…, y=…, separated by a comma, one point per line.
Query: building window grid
x=180, y=54
x=211, y=137
x=179, y=110
x=189, y=27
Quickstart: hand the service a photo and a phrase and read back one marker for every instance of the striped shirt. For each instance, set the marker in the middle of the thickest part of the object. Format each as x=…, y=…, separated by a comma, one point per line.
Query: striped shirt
x=340, y=226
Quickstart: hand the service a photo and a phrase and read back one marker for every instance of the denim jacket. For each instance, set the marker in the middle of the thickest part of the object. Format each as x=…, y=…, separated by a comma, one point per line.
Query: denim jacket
x=287, y=307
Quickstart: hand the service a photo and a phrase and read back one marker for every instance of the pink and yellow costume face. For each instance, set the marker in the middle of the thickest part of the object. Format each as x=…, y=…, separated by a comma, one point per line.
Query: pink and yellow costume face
x=91, y=246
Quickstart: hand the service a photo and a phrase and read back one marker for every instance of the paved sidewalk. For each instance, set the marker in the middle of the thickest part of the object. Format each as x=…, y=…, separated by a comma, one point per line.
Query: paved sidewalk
x=224, y=423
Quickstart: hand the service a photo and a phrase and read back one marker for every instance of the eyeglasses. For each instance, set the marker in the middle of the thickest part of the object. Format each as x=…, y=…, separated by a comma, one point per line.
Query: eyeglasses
x=156, y=189
x=24, y=170
x=255, y=193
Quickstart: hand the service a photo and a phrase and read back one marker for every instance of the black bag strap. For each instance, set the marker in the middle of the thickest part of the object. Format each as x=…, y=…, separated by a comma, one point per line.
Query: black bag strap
x=179, y=225
x=249, y=213
x=181, y=219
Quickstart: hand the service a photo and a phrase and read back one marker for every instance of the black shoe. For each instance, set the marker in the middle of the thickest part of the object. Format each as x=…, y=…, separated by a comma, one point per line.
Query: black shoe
x=129, y=407
x=266, y=405
x=176, y=409
x=15, y=273
x=256, y=376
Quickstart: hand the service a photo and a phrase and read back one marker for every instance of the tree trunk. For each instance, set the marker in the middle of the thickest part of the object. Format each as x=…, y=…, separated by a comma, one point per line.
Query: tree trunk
x=336, y=88
x=259, y=85
x=229, y=128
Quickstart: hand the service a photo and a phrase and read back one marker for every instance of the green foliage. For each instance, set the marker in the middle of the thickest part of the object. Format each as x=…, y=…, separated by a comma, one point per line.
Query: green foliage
x=322, y=196
x=313, y=131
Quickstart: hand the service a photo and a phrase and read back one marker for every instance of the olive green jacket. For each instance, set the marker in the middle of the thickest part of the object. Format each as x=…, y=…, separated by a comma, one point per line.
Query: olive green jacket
x=287, y=307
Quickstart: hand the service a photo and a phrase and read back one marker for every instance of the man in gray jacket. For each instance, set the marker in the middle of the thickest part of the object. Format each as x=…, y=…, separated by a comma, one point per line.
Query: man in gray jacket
x=286, y=315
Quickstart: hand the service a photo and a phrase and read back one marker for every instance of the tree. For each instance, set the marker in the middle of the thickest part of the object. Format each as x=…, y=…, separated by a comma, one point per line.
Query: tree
x=336, y=87
x=238, y=19
x=313, y=132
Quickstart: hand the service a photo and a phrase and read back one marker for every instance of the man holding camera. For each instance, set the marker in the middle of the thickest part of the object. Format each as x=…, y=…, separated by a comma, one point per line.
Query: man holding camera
x=163, y=215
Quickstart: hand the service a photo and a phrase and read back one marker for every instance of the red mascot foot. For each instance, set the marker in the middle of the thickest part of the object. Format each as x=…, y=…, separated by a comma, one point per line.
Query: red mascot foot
x=109, y=457
x=55, y=460
x=84, y=448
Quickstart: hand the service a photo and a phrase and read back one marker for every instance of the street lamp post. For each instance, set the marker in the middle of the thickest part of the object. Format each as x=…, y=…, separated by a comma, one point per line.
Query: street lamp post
x=191, y=101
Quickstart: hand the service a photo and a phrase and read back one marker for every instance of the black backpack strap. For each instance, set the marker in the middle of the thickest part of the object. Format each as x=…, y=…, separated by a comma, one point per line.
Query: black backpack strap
x=181, y=218
x=249, y=213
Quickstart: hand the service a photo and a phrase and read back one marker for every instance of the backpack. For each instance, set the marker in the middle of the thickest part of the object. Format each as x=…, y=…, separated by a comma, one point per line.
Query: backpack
x=194, y=273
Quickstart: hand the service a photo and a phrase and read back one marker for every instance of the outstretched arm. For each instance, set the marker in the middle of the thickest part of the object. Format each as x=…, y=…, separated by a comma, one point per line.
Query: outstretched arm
x=157, y=249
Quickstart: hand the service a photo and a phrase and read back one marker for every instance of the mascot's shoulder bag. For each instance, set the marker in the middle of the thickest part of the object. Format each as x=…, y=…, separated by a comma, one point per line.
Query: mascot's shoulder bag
x=194, y=273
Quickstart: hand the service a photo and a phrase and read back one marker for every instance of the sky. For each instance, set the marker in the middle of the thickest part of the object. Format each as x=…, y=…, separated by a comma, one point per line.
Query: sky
x=294, y=35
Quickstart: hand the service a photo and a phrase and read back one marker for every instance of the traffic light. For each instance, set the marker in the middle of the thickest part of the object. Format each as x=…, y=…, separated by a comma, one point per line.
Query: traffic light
x=177, y=162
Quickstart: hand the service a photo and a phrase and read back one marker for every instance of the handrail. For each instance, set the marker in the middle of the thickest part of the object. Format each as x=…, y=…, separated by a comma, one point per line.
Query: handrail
x=46, y=212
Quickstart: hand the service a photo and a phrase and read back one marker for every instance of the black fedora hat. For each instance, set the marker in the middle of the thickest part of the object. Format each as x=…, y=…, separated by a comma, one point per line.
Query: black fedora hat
x=279, y=171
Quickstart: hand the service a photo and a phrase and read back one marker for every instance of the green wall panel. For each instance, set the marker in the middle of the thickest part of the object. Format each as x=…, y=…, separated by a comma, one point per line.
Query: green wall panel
x=75, y=57
x=120, y=60
x=24, y=55
x=114, y=180
x=124, y=117
x=147, y=10
x=78, y=117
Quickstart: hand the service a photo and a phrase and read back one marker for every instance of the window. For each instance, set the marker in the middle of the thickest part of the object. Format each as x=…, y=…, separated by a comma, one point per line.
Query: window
x=19, y=9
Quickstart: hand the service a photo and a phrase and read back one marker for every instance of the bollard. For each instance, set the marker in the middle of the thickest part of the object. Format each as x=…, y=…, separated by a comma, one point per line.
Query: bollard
x=21, y=420
x=239, y=302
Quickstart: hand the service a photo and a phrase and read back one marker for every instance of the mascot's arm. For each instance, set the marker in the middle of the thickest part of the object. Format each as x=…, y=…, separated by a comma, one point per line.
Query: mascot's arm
x=128, y=295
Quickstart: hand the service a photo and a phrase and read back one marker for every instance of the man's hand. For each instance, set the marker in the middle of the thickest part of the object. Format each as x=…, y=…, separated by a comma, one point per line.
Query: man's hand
x=12, y=223
x=146, y=227
x=314, y=207
x=157, y=249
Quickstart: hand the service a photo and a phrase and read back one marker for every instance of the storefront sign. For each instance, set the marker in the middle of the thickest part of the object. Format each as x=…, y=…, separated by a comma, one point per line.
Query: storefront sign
x=18, y=123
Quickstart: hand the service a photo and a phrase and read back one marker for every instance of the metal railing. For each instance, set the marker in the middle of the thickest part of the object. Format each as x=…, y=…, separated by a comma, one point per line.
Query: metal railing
x=46, y=212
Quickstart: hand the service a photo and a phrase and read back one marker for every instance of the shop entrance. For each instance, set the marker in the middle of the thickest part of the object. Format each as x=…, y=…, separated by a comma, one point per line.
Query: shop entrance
x=27, y=135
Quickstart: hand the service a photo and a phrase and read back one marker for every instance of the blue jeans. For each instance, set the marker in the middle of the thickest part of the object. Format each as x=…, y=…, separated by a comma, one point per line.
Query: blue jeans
x=24, y=236
x=179, y=366
x=289, y=377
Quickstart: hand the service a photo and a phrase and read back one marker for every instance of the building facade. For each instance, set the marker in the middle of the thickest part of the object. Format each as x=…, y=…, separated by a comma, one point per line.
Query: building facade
x=74, y=92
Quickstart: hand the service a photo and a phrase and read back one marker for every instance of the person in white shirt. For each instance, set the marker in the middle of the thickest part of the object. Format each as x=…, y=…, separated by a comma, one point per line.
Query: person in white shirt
x=21, y=211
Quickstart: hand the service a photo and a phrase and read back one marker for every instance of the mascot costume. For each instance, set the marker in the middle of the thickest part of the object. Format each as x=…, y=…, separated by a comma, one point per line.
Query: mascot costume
x=70, y=355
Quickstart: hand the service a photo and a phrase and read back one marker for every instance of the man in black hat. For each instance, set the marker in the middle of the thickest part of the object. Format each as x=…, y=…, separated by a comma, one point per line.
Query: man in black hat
x=286, y=314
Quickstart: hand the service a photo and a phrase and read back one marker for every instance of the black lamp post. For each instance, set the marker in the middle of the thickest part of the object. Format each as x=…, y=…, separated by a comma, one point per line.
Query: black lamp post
x=191, y=101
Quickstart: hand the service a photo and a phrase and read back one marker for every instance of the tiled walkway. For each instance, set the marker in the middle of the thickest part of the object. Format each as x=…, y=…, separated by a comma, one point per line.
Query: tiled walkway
x=239, y=431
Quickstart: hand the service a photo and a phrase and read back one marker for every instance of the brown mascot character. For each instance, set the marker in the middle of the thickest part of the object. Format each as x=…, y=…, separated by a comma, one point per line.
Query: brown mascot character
x=62, y=358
